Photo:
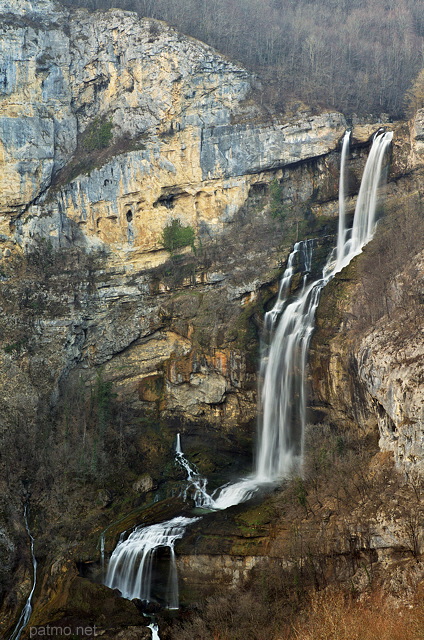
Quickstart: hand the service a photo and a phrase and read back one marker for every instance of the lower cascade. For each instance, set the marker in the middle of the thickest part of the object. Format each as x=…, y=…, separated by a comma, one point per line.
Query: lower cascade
x=288, y=330
x=196, y=484
x=155, y=631
x=223, y=497
x=131, y=564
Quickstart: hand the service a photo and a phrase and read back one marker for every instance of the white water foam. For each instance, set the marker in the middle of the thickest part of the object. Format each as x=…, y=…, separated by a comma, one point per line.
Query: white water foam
x=131, y=564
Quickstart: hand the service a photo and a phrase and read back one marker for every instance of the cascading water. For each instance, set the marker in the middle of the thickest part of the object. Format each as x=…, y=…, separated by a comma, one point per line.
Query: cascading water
x=155, y=631
x=365, y=218
x=223, y=497
x=341, y=234
x=238, y=492
x=196, y=484
x=288, y=328
x=102, y=549
x=280, y=443
x=27, y=610
x=303, y=249
x=287, y=331
x=131, y=564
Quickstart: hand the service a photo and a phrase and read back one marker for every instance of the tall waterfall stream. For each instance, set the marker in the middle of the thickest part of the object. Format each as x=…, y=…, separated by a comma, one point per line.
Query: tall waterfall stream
x=27, y=610
x=288, y=329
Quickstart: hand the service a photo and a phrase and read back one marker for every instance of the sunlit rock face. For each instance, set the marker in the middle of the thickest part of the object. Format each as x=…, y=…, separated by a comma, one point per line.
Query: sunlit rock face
x=184, y=135
x=37, y=124
x=179, y=136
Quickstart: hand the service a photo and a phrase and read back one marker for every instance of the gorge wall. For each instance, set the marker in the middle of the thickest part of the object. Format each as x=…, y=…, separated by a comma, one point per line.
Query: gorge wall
x=112, y=127
x=368, y=370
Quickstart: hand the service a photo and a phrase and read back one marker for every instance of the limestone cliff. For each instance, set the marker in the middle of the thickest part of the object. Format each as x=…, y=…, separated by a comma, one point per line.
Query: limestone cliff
x=183, y=140
x=110, y=128
x=174, y=108
x=369, y=369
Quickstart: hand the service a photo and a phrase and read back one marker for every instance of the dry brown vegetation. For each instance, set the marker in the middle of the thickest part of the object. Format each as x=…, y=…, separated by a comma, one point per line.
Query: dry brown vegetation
x=335, y=615
x=327, y=615
x=330, y=584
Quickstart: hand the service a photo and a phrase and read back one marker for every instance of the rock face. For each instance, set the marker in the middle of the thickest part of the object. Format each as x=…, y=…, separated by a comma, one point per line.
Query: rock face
x=417, y=139
x=390, y=365
x=369, y=370
x=37, y=125
x=176, y=148
x=179, y=143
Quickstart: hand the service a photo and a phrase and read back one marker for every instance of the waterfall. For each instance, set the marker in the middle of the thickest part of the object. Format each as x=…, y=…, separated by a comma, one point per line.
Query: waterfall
x=102, y=549
x=195, y=482
x=342, y=231
x=223, y=497
x=234, y=493
x=131, y=564
x=27, y=610
x=288, y=330
x=364, y=221
x=280, y=442
x=272, y=316
x=178, y=449
x=282, y=395
x=155, y=631
x=102, y=543
x=365, y=218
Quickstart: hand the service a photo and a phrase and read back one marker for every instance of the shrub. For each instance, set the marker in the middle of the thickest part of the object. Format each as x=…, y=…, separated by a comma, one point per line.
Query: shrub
x=276, y=207
x=98, y=135
x=176, y=236
x=16, y=347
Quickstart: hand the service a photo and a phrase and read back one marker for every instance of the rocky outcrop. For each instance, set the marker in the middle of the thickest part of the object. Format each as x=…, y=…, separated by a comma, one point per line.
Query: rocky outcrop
x=372, y=378
x=390, y=366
